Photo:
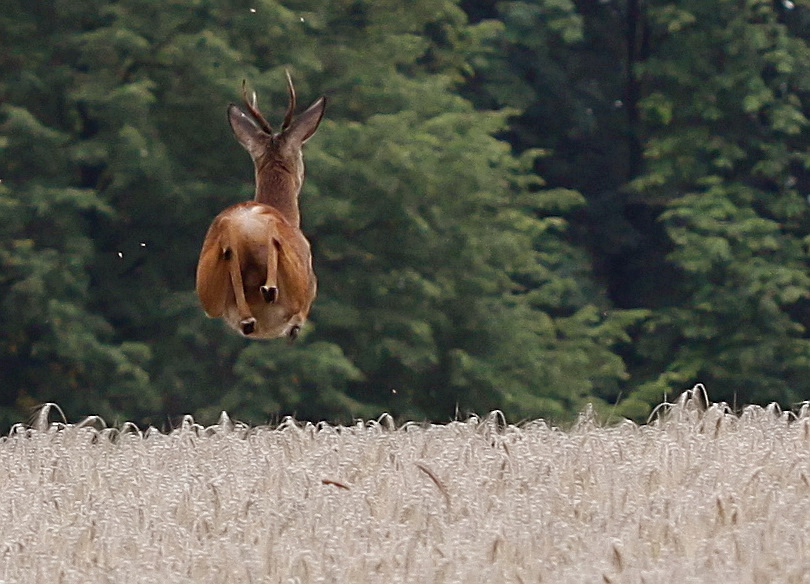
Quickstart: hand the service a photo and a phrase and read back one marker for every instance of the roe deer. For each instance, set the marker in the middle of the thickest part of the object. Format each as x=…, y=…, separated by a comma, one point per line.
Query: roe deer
x=255, y=267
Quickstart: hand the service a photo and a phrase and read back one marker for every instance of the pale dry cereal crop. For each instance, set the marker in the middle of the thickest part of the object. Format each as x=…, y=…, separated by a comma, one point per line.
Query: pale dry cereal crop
x=699, y=495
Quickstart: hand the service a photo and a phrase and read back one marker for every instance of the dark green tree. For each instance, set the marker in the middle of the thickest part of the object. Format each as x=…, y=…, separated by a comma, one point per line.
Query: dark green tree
x=567, y=68
x=684, y=128
x=54, y=343
x=448, y=276
x=726, y=148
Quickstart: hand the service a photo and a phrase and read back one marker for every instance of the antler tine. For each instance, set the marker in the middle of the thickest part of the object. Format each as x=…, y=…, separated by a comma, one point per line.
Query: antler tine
x=254, y=110
x=291, y=108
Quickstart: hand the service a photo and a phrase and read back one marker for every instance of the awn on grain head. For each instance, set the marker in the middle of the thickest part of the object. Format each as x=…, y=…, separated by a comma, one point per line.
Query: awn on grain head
x=255, y=267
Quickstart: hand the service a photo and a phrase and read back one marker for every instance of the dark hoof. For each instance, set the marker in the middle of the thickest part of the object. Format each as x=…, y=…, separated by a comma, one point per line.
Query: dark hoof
x=248, y=326
x=270, y=293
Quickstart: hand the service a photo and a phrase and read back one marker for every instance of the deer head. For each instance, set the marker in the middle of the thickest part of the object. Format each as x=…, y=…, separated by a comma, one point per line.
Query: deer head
x=276, y=156
x=255, y=267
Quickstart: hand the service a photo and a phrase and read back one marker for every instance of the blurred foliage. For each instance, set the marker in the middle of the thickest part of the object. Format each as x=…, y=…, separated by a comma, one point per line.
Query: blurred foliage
x=516, y=205
x=726, y=149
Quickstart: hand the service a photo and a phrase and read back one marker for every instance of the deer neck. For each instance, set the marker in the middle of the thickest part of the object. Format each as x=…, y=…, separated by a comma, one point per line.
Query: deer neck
x=279, y=189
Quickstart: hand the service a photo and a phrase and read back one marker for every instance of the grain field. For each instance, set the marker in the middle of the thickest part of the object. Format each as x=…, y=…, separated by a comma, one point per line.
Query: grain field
x=699, y=495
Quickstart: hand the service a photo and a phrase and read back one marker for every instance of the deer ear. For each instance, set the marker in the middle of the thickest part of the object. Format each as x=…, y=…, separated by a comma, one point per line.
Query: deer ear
x=303, y=127
x=248, y=132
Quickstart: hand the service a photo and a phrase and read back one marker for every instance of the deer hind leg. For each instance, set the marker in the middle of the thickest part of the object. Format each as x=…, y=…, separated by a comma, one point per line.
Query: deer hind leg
x=270, y=289
x=230, y=253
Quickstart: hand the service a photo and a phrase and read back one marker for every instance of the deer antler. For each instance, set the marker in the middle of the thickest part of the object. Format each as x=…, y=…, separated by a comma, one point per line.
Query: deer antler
x=291, y=109
x=254, y=109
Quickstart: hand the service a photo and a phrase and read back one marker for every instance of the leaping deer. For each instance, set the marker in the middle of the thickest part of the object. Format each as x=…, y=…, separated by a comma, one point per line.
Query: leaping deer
x=255, y=267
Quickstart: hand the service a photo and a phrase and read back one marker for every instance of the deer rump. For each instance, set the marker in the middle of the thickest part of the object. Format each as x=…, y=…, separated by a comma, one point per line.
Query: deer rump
x=255, y=265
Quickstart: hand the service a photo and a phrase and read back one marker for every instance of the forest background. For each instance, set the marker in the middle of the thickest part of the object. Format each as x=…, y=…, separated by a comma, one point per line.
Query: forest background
x=525, y=206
